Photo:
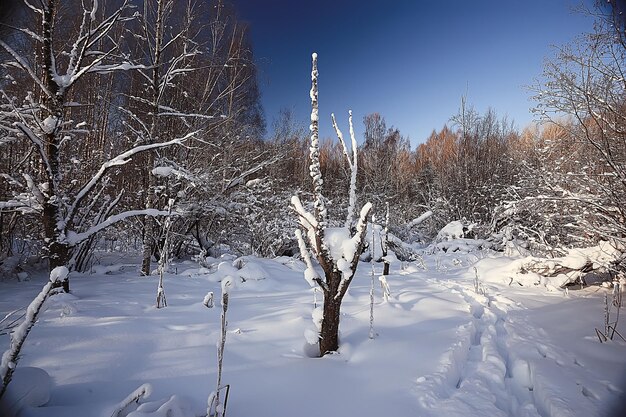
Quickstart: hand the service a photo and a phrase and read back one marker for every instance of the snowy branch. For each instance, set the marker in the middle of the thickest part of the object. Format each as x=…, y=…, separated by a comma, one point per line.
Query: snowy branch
x=308, y=221
x=352, y=164
x=121, y=159
x=24, y=65
x=314, y=150
x=11, y=355
x=420, y=219
x=242, y=177
x=310, y=275
x=352, y=256
x=74, y=239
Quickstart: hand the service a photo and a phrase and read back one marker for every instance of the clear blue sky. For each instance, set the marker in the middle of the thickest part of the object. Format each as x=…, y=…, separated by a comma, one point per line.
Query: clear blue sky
x=410, y=60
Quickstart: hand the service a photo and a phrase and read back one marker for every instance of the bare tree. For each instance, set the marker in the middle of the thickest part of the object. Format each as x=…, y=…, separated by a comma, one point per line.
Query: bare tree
x=336, y=250
x=200, y=75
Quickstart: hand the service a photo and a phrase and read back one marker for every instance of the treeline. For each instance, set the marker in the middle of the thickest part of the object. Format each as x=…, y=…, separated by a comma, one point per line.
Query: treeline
x=542, y=186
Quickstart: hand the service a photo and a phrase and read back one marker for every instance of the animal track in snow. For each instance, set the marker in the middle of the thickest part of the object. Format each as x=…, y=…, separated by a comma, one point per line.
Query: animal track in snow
x=588, y=393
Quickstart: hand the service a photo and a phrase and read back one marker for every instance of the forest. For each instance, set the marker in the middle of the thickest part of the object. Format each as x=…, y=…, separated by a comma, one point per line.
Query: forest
x=172, y=111
x=136, y=127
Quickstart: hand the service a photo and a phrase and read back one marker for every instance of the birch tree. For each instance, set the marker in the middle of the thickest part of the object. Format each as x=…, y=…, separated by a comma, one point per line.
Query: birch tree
x=336, y=250
x=199, y=74
x=166, y=50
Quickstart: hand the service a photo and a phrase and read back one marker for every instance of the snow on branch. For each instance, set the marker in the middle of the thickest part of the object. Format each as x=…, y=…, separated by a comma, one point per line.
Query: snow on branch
x=314, y=151
x=121, y=159
x=308, y=220
x=143, y=391
x=310, y=275
x=420, y=219
x=83, y=47
x=352, y=164
x=34, y=189
x=123, y=66
x=351, y=250
x=238, y=180
x=11, y=355
x=33, y=8
x=24, y=65
x=18, y=206
x=74, y=238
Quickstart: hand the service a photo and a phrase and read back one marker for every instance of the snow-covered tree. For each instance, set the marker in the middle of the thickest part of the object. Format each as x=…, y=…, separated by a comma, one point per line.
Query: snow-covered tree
x=336, y=250
x=72, y=208
x=583, y=169
x=165, y=48
x=199, y=74
x=384, y=163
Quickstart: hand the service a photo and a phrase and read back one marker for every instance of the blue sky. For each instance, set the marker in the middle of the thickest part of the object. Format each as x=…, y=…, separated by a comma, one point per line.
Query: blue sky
x=411, y=61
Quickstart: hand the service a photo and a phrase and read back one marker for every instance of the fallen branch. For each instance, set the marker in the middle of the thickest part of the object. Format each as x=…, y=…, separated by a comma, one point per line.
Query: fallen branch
x=11, y=355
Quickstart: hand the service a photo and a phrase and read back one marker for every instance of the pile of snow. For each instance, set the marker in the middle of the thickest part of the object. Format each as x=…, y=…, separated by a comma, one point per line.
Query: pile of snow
x=553, y=273
x=29, y=387
x=453, y=230
x=462, y=245
x=243, y=269
x=456, y=237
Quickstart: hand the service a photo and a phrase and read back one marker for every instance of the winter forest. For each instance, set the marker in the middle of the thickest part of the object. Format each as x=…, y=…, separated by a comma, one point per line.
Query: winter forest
x=168, y=249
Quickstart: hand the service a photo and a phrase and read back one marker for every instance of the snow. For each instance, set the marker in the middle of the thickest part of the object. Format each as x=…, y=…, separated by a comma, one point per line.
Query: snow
x=342, y=247
x=49, y=124
x=143, y=391
x=310, y=275
x=309, y=219
x=60, y=273
x=337, y=241
x=453, y=230
x=162, y=171
x=517, y=270
x=426, y=215
x=30, y=387
x=441, y=349
x=208, y=300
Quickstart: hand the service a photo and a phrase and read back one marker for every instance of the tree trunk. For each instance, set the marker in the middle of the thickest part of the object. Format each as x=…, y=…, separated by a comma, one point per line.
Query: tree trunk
x=329, y=334
x=148, y=237
x=385, y=267
x=58, y=253
x=149, y=233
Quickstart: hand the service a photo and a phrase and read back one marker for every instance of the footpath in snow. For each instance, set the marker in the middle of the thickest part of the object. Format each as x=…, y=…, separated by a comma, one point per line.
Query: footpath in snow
x=441, y=348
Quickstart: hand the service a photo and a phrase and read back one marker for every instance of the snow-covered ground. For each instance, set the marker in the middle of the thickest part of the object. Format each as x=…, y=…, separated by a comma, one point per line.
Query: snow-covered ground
x=441, y=349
